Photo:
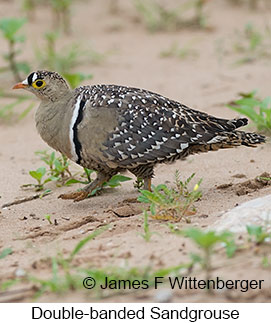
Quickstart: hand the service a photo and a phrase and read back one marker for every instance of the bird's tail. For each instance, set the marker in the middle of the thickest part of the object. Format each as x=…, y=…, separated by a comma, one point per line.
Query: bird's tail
x=249, y=139
x=227, y=140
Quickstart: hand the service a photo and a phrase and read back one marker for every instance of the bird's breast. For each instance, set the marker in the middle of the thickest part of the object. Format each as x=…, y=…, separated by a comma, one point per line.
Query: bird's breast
x=53, y=124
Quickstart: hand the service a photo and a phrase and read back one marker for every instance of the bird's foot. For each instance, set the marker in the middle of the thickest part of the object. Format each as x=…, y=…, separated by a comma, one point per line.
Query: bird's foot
x=90, y=190
x=75, y=196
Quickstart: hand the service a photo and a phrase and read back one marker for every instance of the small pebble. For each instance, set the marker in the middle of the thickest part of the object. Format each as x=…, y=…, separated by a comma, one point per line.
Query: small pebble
x=19, y=272
x=163, y=296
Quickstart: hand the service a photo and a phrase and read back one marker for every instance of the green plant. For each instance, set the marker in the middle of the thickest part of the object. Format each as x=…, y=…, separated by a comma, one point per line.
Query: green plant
x=266, y=262
x=29, y=6
x=257, y=110
x=7, y=110
x=57, y=170
x=87, y=174
x=114, y=181
x=199, y=12
x=248, y=44
x=147, y=233
x=176, y=51
x=258, y=234
x=8, y=283
x=172, y=203
x=207, y=241
x=48, y=218
x=38, y=175
x=64, y=276
x=67, y=276
x=75, y=79
x=61, y=168
x=58, y=166
x=252, y=39
x=61, y=10
x=5, y=252
x=252, y=44
x=157, y=17
x=84, y=241
x=10, y=28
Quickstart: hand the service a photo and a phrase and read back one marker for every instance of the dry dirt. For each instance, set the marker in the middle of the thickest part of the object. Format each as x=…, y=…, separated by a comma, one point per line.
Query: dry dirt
x=205, y=83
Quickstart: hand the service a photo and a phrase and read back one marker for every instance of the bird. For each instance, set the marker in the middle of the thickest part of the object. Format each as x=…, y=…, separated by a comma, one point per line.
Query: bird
x=112, y=128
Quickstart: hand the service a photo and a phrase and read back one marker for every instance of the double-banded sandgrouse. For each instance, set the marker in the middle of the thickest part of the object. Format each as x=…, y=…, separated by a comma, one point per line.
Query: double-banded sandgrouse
x=111, y=128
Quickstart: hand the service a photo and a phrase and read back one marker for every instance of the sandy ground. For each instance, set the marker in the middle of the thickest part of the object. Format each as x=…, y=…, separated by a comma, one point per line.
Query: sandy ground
x=204, y=82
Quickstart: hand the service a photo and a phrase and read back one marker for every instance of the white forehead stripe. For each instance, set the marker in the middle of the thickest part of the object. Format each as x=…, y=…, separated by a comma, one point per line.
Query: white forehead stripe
x=35, y=76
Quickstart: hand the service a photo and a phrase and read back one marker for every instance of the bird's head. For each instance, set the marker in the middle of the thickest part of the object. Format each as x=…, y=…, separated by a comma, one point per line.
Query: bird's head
x=45, y=85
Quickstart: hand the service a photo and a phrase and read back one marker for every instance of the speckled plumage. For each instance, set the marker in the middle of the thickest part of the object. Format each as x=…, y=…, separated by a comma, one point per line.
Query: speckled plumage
x=113, y=128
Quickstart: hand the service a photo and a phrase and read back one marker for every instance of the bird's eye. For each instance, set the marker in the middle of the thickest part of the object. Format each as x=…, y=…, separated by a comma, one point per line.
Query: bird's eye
x=38, y=84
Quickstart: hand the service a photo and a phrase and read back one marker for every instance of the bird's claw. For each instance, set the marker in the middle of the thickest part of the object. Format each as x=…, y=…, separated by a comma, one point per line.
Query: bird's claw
x=75, y=196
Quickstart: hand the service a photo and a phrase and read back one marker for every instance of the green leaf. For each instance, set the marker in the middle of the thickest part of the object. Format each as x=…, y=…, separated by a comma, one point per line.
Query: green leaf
x=88, y=172
x=259, y=111
x=258, y=232
x=196, y=258
x=81, y=243
x=24, y=67
x=51, y=178
x=143, y=198
x=50, y=161
x=74, y=181
x=10, y=27
x=74, y=79
x=46, y=192
x=153, y=209
x=230, y=247
x=246, y=111
x=58, y=165
x=208, y=239
x=38, y=174
x=19, y=38
x=150, y=197
x=254, y=230
x=7, y=284
x=116, y=180
x=5, y=252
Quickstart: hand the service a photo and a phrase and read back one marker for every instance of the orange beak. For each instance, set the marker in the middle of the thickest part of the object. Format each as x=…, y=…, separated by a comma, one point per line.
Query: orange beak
x=19, y=86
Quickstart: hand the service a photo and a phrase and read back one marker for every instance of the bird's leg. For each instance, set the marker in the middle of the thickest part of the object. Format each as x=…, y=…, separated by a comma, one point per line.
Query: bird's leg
x=147, y=184
x=146, y=173
x=86, y=191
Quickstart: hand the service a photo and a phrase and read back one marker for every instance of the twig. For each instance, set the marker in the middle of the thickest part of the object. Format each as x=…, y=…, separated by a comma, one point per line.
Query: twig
x=12, y=62
x=25, y=199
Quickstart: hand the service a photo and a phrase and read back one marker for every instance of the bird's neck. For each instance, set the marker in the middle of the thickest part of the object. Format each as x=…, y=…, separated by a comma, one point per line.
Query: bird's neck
x=54, y=95
x=52, y=122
